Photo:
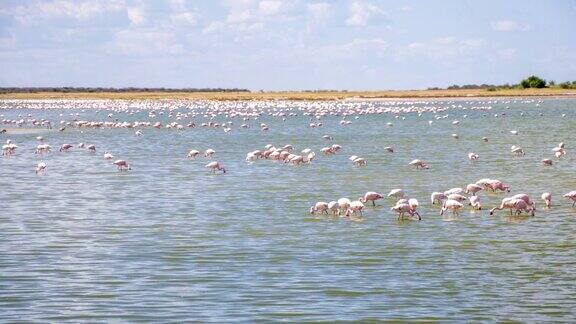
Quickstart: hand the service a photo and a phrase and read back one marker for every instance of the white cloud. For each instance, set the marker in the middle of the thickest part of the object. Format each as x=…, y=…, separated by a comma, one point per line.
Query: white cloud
x=269, y=7
x=213, y=27
x=144, y=42
x=241, y=16
x=8, y=42
x=136, y=15
x=184, y=18
x=319, y=12
x=362, y=13
x=441, y=48
x=509, y=25
x=62, y=9
x=238, y=3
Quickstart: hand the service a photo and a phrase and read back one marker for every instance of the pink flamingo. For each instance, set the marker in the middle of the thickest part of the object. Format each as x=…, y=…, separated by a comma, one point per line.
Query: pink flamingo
x=497, y=185
x=121, y=165
x=215, y=166
x=437, y=197
x=319, y=207
x=524, y=197
x=403, y=208
x=419, y=164
x=334, y=207
x=344, y=203
x=475, y=202
x=370, y=196
x=547, y=197
x=453, y=205
x=473, y=189
x=65, y=147
x=571, y=195
x=41, y=167
x=518, y=205
x=355, y=206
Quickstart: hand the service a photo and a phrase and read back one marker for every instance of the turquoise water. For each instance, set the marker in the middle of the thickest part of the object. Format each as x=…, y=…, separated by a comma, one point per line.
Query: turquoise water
x=169, y=242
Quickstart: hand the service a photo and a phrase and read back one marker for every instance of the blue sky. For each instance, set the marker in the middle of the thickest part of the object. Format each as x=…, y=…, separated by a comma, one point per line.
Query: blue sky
x=290, y=45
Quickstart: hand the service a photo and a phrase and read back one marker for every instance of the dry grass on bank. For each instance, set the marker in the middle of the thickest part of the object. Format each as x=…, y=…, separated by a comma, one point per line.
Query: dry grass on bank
x=295, y=95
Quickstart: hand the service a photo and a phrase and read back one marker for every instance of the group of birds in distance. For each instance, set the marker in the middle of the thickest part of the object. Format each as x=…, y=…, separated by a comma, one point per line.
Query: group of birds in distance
x=452, y=200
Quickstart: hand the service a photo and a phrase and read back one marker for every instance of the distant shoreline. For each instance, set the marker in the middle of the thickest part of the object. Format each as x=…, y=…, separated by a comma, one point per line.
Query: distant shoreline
x=301, y=95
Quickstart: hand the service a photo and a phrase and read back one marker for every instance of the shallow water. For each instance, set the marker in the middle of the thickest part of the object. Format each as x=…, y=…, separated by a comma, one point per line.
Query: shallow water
x=168, y=241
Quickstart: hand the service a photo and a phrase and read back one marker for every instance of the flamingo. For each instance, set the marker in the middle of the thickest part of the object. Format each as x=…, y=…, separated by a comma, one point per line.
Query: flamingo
x=41, y=167
x=65, y=147
x=208, y=153
x=453, y=205
x=192, y=154
x=473, y=156
x=547, y=162
x=518, y=205
x=413, y=203
x=319, y=207
x=559, y=150
x=371, y=196
x=42, y=148
x=355, y=206
x=475, y=202
x=334, y=207
x=571, y=195
x=121, y=165
x=344, y=203
x=9, y=148
x=547, y=197
x=517, y=150
x=498, y=185
x=396, y=193
x=108, y=156
x=437, y=197
x=215, y=166
x=418, y=164
x=402, y=208
x=359, y=162
x=473, y=189
x=506, y=203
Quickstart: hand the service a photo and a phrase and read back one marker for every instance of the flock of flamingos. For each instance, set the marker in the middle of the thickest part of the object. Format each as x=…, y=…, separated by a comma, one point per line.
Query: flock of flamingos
x=452, y=200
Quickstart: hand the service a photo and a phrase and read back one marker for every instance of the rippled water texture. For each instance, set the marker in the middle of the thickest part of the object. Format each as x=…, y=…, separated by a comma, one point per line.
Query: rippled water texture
x=168, y=241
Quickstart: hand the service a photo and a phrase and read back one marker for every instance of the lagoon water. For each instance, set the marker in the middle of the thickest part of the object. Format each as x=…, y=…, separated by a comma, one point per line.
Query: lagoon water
x=170, y=242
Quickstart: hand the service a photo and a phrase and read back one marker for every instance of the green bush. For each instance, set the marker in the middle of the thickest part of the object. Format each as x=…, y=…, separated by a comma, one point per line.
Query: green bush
x=533, y=82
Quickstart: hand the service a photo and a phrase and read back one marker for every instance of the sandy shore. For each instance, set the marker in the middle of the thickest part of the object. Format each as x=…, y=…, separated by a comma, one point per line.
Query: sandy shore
x=328, y=95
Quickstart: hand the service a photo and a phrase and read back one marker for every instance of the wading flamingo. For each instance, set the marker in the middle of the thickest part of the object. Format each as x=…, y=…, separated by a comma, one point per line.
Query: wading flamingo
x=371, y=196
x=215, y=166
